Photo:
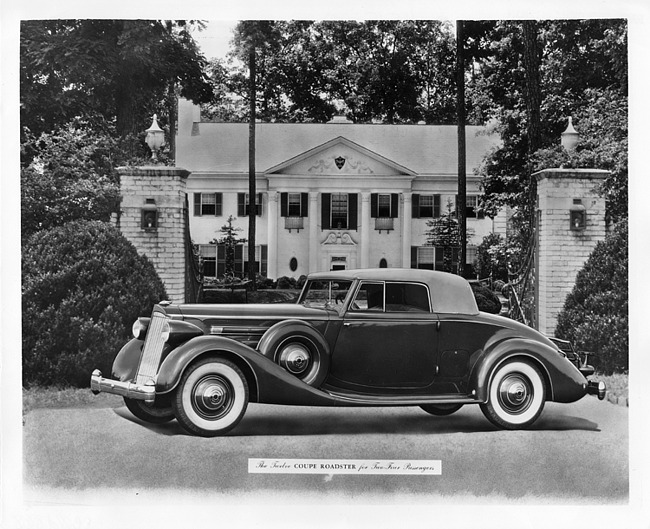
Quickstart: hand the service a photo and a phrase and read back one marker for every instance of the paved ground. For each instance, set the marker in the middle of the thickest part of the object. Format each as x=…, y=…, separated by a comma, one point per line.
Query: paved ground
x=577, y=454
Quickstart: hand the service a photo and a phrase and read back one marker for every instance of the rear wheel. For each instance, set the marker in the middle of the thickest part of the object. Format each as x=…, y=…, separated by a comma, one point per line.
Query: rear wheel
x=441, y=409
x=149, y=412
x=516, y=396
x=211, y=397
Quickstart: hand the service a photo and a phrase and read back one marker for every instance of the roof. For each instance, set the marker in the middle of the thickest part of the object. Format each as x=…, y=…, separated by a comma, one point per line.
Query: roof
x=423, y=149
x=449, y=293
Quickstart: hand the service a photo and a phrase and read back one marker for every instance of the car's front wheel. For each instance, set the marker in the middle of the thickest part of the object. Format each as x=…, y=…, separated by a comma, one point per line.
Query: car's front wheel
x=211, y=397
x=441, y=409
x=516, y=395
x=148, y=412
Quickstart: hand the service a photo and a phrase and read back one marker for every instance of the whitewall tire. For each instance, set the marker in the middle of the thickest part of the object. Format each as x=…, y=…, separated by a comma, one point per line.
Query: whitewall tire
x=516, y=395
x=211, y=397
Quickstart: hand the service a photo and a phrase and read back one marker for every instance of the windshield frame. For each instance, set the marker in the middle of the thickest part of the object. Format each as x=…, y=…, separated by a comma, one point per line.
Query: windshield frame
x=330, y=302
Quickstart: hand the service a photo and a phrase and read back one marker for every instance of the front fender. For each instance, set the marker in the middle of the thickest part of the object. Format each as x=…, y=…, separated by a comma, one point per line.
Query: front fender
x=126, y=362
x=564, y=382
x=274, y=385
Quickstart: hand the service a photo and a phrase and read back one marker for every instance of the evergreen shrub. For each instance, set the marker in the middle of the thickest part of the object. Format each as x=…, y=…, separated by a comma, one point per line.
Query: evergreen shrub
x=83, y=286
x=595, y=313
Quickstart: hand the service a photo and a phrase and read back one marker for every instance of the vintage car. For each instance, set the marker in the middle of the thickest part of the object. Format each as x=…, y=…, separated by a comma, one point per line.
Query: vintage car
x=372, y=337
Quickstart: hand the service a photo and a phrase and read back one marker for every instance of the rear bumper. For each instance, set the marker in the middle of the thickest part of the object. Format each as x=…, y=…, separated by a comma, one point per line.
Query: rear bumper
x=596, y=388
x=100, y=384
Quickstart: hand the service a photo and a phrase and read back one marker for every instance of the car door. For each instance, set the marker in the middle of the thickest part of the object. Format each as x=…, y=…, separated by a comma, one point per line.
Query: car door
x=388, y=338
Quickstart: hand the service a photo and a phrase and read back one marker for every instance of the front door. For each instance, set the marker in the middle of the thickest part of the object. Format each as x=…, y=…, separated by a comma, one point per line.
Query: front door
x=388, y=338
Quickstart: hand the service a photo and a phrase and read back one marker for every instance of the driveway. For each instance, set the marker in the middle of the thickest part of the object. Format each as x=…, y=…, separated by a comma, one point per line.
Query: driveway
x=576, y=454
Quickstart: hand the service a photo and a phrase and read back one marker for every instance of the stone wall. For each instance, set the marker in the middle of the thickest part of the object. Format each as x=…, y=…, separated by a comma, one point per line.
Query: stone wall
x=561, y=250
x=157, y=194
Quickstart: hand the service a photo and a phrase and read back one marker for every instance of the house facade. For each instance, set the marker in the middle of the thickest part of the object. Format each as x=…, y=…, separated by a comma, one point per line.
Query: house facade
x=330, y=196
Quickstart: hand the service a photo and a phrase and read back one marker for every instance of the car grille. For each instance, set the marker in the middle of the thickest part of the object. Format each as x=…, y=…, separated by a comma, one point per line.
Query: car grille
x=153, y=348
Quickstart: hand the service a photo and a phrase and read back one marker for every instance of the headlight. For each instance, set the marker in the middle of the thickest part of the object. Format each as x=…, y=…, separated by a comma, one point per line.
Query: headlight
x=164, y=333
x=140, y=327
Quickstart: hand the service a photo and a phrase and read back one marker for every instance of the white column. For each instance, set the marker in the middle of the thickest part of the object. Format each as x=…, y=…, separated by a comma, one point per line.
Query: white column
x=365, y=230
x=272, y=255
x=313, y=232
x=406, y=229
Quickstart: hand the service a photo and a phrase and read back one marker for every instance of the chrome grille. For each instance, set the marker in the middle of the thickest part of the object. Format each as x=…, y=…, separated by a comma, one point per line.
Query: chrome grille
x=153, y=347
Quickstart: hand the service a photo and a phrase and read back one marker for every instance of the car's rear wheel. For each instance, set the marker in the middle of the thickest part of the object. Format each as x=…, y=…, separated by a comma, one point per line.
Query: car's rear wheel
x=211, y=397
x=441, y=409
x=516, y=395
x=149, y=412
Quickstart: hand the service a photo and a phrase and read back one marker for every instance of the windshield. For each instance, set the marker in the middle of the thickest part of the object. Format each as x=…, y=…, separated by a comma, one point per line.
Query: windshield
x=325, y=293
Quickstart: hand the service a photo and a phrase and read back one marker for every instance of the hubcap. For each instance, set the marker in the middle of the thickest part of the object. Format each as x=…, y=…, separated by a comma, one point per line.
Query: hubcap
x=515, y=393
x=212, y=397
x=295, y=358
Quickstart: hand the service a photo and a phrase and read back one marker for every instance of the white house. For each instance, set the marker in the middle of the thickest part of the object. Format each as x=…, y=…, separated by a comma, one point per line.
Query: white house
x=331, y=196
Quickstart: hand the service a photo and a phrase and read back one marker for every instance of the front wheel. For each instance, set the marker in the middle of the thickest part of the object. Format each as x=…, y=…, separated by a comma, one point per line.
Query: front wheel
x=441, y=409
x=211, y=397
x=516, y=396
x=149, y=413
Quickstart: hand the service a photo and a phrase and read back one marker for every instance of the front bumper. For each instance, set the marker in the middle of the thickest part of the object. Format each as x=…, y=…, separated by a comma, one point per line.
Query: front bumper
x=596, y=388
x=98, y=383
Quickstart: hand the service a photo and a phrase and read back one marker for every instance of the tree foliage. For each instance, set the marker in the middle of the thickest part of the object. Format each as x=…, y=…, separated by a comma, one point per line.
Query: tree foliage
x=118, y=69
x=595, y=314
x=83, y=286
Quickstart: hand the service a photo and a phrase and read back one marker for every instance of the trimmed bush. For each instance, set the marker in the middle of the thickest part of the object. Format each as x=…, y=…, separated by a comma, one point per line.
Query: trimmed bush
x=285, y=282
x=595, y=313
x=492, y=258
x=486, y=300
x=83, y=286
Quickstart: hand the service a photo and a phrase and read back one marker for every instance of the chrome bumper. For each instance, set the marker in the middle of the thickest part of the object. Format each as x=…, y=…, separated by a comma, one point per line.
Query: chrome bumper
x=146, y=392
x=596, y=388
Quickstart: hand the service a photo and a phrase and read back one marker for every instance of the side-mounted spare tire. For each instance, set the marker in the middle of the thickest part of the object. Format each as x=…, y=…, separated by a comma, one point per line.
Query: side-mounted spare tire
x=299, y=348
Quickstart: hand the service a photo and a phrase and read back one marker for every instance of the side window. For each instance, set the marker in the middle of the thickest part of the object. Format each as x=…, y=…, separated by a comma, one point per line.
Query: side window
x=407, y=297
x=370, y=296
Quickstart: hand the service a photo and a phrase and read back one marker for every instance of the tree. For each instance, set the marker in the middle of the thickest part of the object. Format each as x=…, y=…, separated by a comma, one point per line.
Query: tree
x=595, y=313
x=71, y=176
x=83, y=287
x=229, y=240
x=119, y=69
x=444, y=232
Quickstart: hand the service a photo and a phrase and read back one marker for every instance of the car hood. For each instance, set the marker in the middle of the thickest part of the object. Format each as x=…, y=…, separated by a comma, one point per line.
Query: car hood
x=237, y=312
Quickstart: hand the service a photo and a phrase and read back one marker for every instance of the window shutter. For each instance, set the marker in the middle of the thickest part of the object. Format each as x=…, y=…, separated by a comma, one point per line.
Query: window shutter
x=284, y=204
x=304, y=204
x=241, y=207
x=374, y=205
x=239, y=261
x=352, y=211
x=415, y=213
x=394, y=205
x=414, y=256
x=218, y=209
x=197, y=204
x=326, y=201
x=436, y=205
x=258, y=205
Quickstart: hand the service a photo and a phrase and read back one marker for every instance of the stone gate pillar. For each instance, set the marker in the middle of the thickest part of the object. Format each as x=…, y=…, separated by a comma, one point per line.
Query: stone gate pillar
x=152, y=218
x=570, y=220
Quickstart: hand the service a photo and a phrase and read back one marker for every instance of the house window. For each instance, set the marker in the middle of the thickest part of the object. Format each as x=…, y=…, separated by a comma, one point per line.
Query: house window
x=339, y=211
x=339, y=218
x=426, y=206
x=472, y=210
x=243, y=204
x=424, y=257
x=209, y=204
x=471, y=254
x=384, y=205
x=294, y=204
x=208, y=253
x=261, y=252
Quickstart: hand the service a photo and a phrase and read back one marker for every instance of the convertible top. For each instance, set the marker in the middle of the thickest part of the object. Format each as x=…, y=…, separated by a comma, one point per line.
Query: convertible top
x=450, y=293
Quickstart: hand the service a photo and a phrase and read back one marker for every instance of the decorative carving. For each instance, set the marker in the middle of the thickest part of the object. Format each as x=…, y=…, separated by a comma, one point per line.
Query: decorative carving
x=337, y=237
x=352, y=165
x=340, y=162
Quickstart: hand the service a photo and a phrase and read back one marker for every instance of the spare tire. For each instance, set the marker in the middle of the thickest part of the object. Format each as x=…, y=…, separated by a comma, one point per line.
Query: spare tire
x=298, y=348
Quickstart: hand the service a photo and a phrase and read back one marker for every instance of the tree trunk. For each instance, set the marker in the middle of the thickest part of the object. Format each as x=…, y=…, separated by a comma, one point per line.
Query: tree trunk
x=532, y=61
x=252, y=209
x=462, y=179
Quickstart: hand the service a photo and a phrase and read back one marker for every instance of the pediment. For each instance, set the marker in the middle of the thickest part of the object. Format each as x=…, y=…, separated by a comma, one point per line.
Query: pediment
x=339, y=157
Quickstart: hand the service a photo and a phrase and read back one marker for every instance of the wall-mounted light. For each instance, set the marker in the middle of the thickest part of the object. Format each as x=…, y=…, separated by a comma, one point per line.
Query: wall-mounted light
x=149, y=215
x=578, y=215
x=155, y=138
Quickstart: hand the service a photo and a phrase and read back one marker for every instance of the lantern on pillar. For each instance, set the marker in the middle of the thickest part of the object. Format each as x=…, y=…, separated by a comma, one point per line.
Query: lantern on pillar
x=155, y=138
x=578, y=215
x=570, y=137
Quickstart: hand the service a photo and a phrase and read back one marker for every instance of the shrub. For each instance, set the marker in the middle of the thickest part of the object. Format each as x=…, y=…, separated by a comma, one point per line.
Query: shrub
x=492, y=258
x=486, y=300
x=595, y=313
x=83, y=285
x=301, y=281
x=285, y=282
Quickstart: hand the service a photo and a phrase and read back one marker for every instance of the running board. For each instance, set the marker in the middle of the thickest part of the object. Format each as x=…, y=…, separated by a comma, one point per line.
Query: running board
x=411, y=400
